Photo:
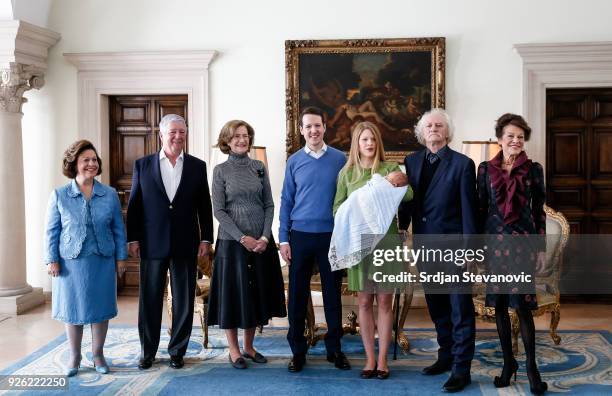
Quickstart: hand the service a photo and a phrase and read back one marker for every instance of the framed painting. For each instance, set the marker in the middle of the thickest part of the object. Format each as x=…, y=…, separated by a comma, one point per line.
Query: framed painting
x=390, y=82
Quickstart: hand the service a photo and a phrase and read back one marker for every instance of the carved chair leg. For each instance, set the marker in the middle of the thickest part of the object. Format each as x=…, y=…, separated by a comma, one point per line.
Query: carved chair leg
x=514, y=324
x=205, y=323
x=350, y=327
x=310, y=323
x=197, y=311
x=397, y=332
x=404, y=343
x=169, y=306
x=555, y=316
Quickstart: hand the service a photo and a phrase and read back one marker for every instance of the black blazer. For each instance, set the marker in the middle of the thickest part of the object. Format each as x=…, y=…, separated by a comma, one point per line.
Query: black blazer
x=163, y=228
x=449, y=204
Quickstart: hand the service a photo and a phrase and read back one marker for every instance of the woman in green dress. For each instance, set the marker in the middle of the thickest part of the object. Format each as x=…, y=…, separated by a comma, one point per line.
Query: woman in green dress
x=366, y=157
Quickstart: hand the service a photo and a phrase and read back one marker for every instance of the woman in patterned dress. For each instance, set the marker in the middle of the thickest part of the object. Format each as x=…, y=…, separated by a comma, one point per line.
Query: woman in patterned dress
x=511, y=198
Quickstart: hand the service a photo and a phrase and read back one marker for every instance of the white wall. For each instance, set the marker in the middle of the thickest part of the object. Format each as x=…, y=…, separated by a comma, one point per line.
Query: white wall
x=6, y=9
x=483, y=73
x=32, y=11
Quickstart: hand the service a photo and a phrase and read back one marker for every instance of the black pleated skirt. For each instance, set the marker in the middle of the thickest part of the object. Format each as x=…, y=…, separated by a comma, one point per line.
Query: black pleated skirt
x=246, y=288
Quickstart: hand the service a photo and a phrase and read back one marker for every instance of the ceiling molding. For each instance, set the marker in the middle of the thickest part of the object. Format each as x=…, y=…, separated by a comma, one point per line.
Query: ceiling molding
x=141, y=61
x=25, y=43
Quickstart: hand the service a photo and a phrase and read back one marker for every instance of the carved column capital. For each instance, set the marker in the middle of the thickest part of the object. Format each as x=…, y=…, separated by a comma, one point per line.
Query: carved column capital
x=16, y=80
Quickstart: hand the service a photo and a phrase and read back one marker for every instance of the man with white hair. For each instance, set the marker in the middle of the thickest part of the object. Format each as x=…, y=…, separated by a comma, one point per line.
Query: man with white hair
x=444, y=203
x=169, y=224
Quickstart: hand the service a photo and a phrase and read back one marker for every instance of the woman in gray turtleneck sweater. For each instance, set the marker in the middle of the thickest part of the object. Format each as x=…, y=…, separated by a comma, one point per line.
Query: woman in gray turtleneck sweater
x=247, y=286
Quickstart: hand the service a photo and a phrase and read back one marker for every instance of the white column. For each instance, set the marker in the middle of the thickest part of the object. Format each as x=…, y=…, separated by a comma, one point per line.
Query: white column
x=23, y=55
x=15, y=294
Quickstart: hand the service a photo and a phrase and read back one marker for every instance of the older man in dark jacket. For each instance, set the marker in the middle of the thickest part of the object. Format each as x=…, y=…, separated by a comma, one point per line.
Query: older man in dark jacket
x=169, y=224
x=444, y=186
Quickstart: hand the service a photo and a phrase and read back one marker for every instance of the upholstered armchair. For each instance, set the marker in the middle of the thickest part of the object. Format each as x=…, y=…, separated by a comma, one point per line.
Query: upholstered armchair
x=547, y=280
x=205, y=269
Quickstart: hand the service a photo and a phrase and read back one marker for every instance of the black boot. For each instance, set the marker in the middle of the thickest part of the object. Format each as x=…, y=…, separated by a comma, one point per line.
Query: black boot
x=504, y=329
x=506, y=375
x=536, y=385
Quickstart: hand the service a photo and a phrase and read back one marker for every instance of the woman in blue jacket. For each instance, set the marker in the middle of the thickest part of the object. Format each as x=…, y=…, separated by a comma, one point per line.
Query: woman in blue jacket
x=85, y=244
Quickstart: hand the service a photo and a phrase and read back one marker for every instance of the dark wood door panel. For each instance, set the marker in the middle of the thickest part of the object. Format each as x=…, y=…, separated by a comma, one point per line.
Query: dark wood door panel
x=566, y=152
x=565, y=198
x=134, y=146
x=134, y=131
x=134, y=113
x=567, y=107
x=602, y=108
x=576, y=226
x=601, y=198
x=579, y=162
x=604, y=225
x=602, y=165
x=579, y=155
x=170, y=106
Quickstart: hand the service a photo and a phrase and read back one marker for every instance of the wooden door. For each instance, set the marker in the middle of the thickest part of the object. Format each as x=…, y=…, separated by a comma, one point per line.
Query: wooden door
x=579, y=163
x=579, y=157
x=134, y=133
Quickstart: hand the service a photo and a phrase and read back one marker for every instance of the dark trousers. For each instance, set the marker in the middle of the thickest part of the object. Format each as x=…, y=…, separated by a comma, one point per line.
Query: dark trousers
x=306, y=249
x=151, y=299
x=453, y=316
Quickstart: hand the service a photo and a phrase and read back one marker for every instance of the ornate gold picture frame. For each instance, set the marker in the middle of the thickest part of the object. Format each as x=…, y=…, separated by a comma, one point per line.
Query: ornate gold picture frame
x=390, y=82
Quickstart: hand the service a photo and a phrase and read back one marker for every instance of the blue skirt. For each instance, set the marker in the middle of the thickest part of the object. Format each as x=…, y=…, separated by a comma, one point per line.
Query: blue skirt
x=85, y=291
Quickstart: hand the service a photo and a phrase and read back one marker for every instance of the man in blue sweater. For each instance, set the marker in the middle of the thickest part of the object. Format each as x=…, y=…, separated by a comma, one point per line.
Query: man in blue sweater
x=306, y=225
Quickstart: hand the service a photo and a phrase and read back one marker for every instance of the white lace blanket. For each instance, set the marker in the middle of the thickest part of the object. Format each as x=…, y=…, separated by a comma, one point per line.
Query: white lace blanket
x=362, y=221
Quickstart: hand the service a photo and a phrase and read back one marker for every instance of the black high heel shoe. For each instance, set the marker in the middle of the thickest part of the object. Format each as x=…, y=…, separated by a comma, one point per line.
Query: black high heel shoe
x=504, y=380
x=536, y=385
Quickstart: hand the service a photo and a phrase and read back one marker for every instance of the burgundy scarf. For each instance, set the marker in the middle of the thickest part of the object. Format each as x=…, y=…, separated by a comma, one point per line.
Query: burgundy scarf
x=509, y=187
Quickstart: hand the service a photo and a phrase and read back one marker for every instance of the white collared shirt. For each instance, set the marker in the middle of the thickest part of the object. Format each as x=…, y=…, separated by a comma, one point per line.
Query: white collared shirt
x=171, y=175
x=316, y=154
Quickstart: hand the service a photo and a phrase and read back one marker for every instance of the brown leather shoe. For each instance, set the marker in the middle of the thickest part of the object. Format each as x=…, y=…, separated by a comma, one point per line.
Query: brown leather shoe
x=367, y=374
x=383, y=375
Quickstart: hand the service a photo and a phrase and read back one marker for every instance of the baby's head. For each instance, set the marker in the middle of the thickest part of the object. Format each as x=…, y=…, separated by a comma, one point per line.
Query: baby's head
x=397, y=178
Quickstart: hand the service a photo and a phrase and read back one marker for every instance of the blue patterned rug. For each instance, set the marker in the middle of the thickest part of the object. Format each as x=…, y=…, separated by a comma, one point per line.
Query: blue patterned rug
x=580, y=365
